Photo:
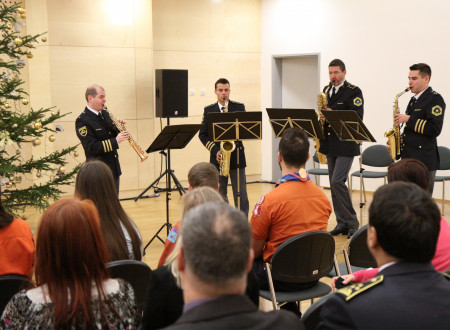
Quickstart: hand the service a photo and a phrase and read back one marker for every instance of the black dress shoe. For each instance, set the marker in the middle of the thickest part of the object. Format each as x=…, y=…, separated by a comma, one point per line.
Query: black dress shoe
x=351, y=232
x=339, y=231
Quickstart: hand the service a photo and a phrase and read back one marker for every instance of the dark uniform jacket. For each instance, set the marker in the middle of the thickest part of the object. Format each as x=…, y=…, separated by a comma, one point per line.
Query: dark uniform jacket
x=235, y=312
x=403, y=296
x=215, y=147
x=422, y=128
x=98, y=137
x=348, y=97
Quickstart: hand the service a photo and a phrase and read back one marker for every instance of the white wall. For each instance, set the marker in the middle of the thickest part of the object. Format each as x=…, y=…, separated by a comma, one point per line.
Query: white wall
x=378, y=41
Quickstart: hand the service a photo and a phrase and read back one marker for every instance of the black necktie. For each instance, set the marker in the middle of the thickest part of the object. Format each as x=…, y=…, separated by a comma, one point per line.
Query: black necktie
x=223, y=109
x=333, y=91
x=412, y=102
x=100, y=115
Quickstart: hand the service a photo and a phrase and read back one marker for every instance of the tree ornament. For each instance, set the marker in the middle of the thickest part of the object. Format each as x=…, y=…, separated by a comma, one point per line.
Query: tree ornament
x=36, y=141
x=23, y=16
x=45, y=199
x=29, y=44
x=15, y=125
x=21, y=10
x=76, y=154
x=38, y=174
x=30, y=55
x=38, y=125
x=25, y=131
x=18, y=41
x=6, y=105
x=52, y=138
x=62, y=170
x=9, y=26
x=18, y=152
x=44, y=39
x=25, y=101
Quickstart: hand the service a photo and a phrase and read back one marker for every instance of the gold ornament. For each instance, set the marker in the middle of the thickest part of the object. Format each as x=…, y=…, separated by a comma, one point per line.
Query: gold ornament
x=52, y=138
x=18, y=152
x=29, y=44
x=15, y=125
x=9, y=26
x=44, y=39
x=38, y=125
x=76, y=154
x=6, y=105
x=21, y=10
x=38, y=174
x=23, y=16
x=62, y=169
x=25, y=101
x=45, y=199
x=18, y=41
x=37, y=141
x=30, y=55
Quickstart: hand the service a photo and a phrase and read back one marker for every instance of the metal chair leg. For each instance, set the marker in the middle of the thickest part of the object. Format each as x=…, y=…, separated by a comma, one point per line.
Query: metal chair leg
x=272, y=290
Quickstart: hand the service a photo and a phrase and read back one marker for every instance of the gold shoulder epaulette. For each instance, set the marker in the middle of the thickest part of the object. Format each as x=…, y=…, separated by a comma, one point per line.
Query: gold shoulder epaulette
x=351, y=86
x=435, y=93
x=446, y=275
x=211, y=105
x=353, y=290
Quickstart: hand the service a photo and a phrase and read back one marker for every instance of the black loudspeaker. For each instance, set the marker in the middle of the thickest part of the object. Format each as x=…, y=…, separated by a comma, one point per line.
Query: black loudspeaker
x=171, y=93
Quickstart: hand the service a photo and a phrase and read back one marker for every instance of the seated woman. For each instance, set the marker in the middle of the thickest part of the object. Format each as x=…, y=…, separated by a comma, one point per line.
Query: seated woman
x=164, y=301
x=411, y=170
x=16, y=245
x=74, y=291
x=95, y=182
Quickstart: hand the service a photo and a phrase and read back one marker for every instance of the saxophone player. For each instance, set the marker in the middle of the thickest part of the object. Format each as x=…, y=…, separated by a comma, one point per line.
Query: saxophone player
x=341, y=95
x=224, y=104
x=98, y=135
x=423, y=120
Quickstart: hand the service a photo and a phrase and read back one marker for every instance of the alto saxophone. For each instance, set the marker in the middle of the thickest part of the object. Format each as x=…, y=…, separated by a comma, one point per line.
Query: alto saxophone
x=393, y=134
x=226, y=147
x=322, y=103
x=121, y=127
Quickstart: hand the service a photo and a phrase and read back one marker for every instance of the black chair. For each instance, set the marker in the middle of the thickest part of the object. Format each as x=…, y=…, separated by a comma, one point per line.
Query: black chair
x=137, y=273
x=376, y=156
x=311, y=318
x=304, y=258
x=316, y=170
x=9, y=286
x=444, y=164
x=357, y=255
x=447, y=271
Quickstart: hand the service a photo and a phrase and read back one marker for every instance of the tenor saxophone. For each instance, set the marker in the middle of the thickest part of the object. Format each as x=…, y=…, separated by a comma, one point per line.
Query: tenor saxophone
x=121, y=127
x=393, y=134
x=322, y=103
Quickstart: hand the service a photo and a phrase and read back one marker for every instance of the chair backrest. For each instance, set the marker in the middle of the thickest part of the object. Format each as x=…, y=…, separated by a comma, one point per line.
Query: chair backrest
x=444, y=158
x=9, y=286
x=311, y=317
x=304, y=258
x=359, y=254
x=137, y=273
x=315, y=158
x=376, y=155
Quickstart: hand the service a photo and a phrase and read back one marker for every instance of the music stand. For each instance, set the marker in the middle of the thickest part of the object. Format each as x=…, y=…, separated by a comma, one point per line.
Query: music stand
x=235, y=126
x=306, y=119
x=348, y=126
x=171, y=137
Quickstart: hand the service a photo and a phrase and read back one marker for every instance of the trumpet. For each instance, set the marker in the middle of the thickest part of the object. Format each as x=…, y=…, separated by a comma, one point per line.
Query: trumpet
x=121, y=127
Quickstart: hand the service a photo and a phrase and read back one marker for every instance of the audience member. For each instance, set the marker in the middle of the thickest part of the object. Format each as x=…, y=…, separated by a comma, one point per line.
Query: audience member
x=213, y=262
x=200, y=175
x=95, y=182
x=295, y=206
x=74, y=291
x=411, y=170
x=16, y=245
x=408, y=293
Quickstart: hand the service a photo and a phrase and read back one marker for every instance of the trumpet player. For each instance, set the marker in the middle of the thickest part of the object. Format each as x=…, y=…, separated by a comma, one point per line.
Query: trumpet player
x=423, y=120
x=98, y=135
x=341, y=95
x=224, y=104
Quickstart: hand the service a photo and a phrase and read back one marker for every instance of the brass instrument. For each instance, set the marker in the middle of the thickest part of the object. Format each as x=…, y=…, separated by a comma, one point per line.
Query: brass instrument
x=393, y=134
x=322, y=103
x=226, y=147
x=121, y=127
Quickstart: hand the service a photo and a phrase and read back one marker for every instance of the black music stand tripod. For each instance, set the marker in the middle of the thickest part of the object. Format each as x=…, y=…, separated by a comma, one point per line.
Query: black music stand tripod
x=235, y=126
x=348, y=126
x=171, y=137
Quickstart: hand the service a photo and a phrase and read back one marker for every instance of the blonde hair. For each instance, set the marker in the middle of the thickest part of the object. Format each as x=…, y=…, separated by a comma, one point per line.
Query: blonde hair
x=192, y=199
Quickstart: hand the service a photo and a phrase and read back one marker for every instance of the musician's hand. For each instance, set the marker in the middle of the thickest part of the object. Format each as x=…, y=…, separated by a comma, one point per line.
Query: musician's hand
x=122, y=121
x=328, y=109
x=400, y=118
x=122, y=136
x=322, y=117
x=219, y=156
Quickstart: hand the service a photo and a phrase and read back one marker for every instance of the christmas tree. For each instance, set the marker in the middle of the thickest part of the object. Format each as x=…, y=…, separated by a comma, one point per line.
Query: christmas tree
x=25, y=181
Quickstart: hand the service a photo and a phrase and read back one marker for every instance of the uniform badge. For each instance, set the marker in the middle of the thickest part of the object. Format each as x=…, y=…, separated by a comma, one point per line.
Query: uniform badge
x=258, y=208
x=353, y=290
x=82, y=131
x=436, y=110
x=357, y=101
x=303, y=174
